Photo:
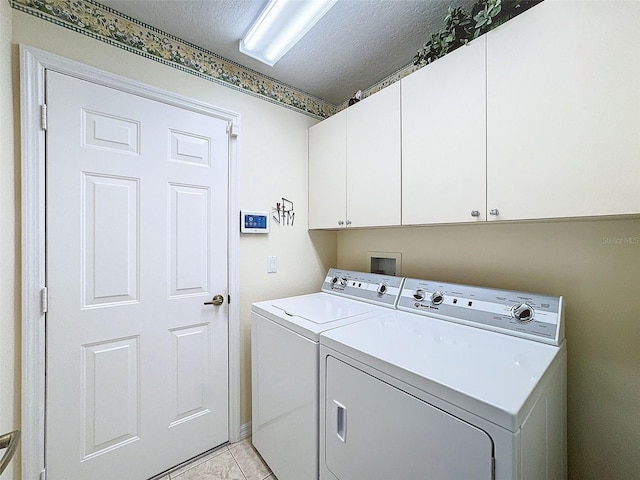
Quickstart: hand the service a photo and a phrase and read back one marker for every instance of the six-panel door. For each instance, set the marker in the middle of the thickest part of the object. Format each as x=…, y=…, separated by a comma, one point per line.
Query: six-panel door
x=136, y=203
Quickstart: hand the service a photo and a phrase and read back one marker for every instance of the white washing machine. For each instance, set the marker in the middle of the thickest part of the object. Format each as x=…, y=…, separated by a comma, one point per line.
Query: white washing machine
x=284, y=362
x=459, y=383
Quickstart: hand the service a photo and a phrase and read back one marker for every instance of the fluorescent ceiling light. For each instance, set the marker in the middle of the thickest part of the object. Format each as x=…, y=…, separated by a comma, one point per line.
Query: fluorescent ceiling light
x=280, y=26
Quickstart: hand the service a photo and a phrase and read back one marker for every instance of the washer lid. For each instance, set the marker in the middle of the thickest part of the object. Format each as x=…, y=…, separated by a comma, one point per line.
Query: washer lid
x=491, y=375
x=311, y=314
x=321, y=309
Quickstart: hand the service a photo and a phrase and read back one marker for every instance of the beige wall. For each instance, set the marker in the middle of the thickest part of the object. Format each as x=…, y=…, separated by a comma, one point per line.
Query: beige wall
x=9, y=277
x=598, y=273
x=272, y=164
x=581, y=260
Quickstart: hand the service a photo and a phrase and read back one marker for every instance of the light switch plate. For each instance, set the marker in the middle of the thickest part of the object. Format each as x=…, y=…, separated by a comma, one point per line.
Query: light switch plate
x=272, y=264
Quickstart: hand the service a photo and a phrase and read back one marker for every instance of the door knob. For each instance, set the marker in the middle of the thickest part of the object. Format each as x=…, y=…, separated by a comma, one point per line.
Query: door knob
x=10, y=442
x=216, y=300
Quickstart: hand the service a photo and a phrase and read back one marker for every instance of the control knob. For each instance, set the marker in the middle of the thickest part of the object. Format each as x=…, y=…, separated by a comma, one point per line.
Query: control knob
x=343, y=281
x=419, y=294
x=437, y=297
x=522, y=313
x=382, y=289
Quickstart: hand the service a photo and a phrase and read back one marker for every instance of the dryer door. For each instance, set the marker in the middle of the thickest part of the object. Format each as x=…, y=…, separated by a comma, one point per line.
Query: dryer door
x=376, y=431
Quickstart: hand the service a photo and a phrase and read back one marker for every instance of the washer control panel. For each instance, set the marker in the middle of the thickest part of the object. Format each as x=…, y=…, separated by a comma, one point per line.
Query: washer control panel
x=528, y=315
x=368, y=287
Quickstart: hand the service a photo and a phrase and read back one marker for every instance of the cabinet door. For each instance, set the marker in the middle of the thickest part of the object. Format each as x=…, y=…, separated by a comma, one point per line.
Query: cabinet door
x=373, y=160
x=563, y=104
x=444, y=139
x=328, y=172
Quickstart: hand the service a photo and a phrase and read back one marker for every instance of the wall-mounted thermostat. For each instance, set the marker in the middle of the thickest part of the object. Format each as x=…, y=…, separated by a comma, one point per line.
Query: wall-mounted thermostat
x=254, y=222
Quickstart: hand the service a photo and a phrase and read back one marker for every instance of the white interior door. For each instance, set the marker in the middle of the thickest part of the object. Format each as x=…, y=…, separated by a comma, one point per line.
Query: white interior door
x=136, y=212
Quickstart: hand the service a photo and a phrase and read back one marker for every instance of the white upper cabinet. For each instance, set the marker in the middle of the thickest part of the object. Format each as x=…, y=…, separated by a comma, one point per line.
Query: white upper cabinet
x=328, y=172
x=354, y=165
x=563, y=103
x=444, y=139
x=539, y=118
x=373, y=160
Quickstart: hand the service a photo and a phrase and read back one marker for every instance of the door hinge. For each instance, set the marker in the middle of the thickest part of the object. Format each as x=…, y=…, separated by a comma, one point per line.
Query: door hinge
x=44, y=300
x=233, y=129
x=43, y=475
x=43, y=117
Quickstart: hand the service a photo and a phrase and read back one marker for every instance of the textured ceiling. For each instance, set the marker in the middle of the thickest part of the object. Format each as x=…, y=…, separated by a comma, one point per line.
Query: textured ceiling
x=355, y=45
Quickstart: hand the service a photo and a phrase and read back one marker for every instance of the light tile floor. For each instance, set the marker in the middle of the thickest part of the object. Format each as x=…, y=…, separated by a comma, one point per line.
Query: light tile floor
x=237, y=461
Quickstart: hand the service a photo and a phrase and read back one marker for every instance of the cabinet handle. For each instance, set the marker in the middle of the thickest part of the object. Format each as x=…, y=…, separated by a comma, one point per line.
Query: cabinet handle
x=494, y=212
x=348, y=222
x=475, y=213
x=340, y=222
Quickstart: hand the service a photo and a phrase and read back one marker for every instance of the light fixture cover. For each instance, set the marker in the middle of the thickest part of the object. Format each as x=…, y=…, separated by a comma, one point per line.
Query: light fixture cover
x=280, y=26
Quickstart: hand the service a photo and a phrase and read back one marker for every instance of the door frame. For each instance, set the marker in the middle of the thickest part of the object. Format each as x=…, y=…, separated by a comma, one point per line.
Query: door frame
x=33, y=64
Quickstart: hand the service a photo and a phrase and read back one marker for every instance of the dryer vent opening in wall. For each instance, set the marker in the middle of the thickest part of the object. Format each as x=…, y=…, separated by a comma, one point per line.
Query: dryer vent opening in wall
x=386, y=263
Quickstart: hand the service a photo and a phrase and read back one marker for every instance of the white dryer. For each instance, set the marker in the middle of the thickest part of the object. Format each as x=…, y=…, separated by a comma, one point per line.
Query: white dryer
x=284, y=362
x=460, y=383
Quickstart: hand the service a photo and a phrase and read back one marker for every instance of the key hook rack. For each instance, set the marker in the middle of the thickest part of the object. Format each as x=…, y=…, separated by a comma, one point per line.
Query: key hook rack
x=283, y=213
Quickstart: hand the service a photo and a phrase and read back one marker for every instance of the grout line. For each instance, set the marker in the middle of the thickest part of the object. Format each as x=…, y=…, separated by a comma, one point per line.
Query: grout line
x=235, y=460
x=175, y=473
x=239, y=466
x=258, y=458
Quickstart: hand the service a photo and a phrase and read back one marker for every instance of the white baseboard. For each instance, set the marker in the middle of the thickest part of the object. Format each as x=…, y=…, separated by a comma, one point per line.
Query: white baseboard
x=245, y=431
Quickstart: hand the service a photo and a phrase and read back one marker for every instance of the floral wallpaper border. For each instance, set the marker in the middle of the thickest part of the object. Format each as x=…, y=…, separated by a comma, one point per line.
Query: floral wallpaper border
x=107, y=25
x=384, y=83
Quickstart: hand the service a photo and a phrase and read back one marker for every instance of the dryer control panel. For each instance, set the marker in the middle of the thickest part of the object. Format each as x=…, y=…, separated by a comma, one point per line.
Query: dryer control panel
x=368, y=287
x=527, y=315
